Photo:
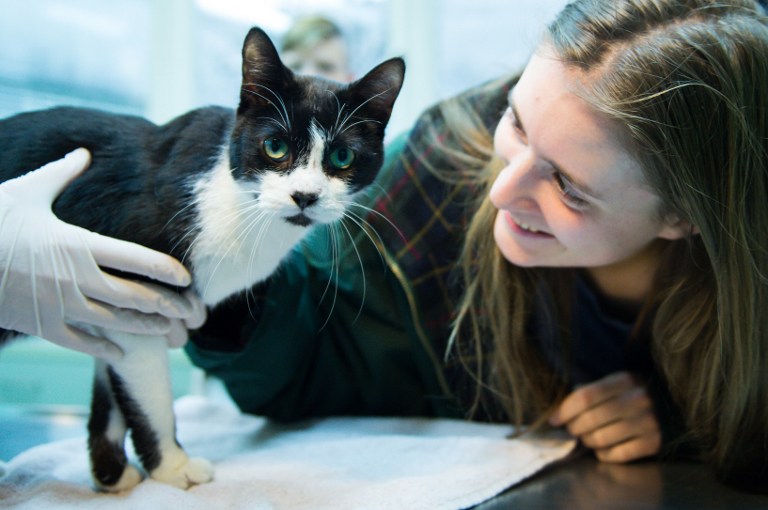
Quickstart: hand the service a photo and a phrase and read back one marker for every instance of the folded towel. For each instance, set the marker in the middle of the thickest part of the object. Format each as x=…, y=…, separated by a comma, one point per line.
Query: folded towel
x=334, y=463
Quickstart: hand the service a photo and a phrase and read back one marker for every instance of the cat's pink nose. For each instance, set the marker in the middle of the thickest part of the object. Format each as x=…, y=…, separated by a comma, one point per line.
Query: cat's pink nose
x=304, y=200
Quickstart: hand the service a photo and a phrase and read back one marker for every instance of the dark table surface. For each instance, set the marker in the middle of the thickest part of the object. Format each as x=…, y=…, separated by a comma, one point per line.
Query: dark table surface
x=575, y=484
x=585, y=483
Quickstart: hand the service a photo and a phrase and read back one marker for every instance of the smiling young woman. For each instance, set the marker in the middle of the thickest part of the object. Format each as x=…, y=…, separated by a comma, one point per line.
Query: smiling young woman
x=632, y=157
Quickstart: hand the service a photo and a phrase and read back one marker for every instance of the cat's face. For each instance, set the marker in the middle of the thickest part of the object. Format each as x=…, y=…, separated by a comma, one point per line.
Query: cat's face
x=303, y=146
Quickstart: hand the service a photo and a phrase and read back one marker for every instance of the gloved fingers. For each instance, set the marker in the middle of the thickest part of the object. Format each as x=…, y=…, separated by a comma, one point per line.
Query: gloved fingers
x=143, y=297
x=199, y=312
x=136, y=259
x=76, y=339
x=178, y=334
x=48, y=181
x=113, y=318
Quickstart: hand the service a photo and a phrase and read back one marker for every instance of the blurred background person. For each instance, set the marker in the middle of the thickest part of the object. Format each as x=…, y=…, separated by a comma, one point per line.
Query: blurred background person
x=315, y=45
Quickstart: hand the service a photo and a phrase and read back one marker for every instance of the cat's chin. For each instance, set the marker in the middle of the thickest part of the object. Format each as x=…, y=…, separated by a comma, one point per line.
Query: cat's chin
x=301, y=220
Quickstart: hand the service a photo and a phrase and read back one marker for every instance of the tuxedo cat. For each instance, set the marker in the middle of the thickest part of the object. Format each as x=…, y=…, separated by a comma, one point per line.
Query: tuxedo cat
x=227, y=193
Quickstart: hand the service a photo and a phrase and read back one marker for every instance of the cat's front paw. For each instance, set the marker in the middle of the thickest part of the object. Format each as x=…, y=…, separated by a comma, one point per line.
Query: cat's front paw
x=128, y=480
x=184, y=474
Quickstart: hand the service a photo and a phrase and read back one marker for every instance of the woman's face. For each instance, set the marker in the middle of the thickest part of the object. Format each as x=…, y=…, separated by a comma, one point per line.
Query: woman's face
x=569, y=195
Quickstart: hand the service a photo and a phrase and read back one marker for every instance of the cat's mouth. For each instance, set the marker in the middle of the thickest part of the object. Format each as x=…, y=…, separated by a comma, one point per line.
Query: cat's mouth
x=301, y=219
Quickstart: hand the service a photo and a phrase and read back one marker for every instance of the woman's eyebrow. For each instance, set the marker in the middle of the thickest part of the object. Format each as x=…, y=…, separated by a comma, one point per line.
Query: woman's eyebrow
x=582, y=187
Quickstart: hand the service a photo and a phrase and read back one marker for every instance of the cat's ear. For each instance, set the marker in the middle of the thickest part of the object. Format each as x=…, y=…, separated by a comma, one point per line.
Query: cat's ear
x=264, y=74
x=378, y=89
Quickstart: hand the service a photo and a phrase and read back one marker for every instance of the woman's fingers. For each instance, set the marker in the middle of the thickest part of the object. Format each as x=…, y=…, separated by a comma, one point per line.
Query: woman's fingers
x=613, y=416
x=591, y=395
x=626, y=406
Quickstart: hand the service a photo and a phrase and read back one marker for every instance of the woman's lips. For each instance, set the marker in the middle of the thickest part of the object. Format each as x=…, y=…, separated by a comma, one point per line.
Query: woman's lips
x=522, y=228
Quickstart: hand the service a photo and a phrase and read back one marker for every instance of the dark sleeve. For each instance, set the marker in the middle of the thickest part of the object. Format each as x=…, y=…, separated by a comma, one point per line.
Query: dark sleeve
x=254, y=343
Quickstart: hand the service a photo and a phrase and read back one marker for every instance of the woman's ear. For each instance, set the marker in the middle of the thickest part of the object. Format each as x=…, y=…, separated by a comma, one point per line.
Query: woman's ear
x=675, y=228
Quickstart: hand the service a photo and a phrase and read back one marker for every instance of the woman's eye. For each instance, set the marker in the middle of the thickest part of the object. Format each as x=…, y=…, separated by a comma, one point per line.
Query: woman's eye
x=275, y=148
x=568, y=194
x=342, y=158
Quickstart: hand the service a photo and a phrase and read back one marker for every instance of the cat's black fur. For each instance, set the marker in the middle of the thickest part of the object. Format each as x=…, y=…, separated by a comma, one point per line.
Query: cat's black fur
x=141, y=187
x=137, y=180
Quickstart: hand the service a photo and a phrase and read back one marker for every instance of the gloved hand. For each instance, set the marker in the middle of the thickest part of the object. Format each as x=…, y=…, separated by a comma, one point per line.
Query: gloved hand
x=178, y=333
x=50, y=276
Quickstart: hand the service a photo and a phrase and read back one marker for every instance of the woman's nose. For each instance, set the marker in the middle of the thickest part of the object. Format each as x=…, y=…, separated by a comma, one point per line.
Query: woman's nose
x=515, y=181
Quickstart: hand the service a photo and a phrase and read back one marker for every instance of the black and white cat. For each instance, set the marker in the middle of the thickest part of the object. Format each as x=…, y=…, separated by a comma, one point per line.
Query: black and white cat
x=228, y=193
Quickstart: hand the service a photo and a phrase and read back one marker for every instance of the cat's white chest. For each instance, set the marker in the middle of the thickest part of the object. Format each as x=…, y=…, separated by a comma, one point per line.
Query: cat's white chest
x=237, y=263
x=238, y=243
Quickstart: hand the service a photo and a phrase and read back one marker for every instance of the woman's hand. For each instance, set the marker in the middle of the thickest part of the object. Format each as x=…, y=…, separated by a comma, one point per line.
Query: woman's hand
x=613, y=416
x=51, y=280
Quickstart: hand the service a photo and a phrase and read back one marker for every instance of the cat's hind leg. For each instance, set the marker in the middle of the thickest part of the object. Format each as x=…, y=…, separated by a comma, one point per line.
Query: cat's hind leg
x=142, y=387
x=107, y=429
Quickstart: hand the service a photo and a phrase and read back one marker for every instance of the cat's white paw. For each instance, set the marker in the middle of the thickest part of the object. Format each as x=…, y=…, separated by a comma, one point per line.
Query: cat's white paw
x=129, y=479
x=184, y=474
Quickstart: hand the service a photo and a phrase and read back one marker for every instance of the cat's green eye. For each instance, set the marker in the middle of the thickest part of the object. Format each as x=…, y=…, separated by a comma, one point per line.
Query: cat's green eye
x=275, y=148
x=342, y=158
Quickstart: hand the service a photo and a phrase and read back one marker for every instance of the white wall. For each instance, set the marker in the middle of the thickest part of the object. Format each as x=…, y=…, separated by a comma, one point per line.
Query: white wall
x=451, y=45
x=159, y=58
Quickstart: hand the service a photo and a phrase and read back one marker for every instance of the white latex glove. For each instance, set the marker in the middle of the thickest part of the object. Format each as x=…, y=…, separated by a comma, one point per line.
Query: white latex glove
x=178, y=334
x=51, y=280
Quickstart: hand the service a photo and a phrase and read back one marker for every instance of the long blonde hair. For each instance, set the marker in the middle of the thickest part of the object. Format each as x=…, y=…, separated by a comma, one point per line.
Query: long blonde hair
x=688, y=82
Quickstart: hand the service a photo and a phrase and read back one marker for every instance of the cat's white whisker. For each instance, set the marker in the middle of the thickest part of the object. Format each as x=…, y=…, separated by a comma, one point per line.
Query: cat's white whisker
x=263, y=229
x=333, y=277
x=178, y=213
x=339, y=123
x=339, y=109
x=286, y=122
x=234, y=219
x=362, y=267
x=190, y=233
x=187, y=237
x=274, y=121
x=280, y=100
x=223, y=249
x=246, y=220
x=255, y=218
x=381, y=190
x=252, y=257
x=359, y=122
x=366, y=228
x=361, y=105
x=376, y=213
x=183, y=235
x=343, y=122
x=332, y=240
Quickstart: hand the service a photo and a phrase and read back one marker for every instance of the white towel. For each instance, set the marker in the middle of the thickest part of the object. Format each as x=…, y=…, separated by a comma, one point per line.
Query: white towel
x=335, y=463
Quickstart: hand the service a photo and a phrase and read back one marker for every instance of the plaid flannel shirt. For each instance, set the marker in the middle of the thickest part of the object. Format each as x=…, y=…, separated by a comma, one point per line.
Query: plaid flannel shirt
x=420, y=217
